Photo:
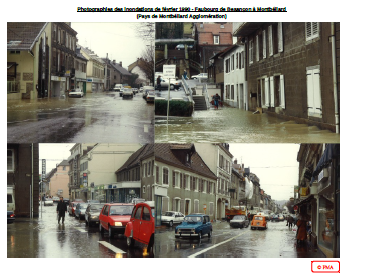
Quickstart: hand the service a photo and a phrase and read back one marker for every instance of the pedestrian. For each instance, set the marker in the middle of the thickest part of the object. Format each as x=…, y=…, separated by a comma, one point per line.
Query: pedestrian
x=249, y=216
x=301, y=235
x=185, y=75
x=216, y=101
x=158, y=81
x=290, y=221
x=61, y=209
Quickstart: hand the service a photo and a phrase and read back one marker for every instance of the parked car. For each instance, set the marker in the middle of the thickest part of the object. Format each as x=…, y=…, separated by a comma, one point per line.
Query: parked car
x=194, y=225
x=198, y=76
x=150, y=97
x=275, y=218
x=114, y=218
x=281, y=217
x=172, y=217
x=55, y=199
x=239, y=221
x=48, y=202
x=164, y=84
x=179, y=46
x=67, y=201
x=135, y=91
x=76, y=93
x=127, y=93
x=80, y=210
x=93, y=201
x=141, y=89
x=72, y=206
x=145, y=89
x=121, y=90
x=92, y=213
x=258, y=222
x=141, y=226
x=117, y=87
x=11, y=217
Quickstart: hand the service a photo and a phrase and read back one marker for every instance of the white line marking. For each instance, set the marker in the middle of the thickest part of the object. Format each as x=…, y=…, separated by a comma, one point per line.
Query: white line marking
x=112, y=247
x=214, y=246
x=81, y=230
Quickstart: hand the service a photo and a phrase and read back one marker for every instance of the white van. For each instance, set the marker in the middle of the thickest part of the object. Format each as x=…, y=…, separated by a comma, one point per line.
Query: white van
x=10, y=198
x=118, y=87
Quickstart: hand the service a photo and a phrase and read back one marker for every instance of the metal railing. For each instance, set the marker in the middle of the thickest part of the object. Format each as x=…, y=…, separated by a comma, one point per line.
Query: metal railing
x=187, y=89
x=12, y=87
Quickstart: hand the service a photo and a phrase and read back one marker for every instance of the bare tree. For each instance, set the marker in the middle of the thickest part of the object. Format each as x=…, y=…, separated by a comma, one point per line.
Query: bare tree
x=145, y=30
x=146, y=62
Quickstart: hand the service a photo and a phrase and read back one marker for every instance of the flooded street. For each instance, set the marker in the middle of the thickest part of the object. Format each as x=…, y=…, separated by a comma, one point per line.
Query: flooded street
x=237, y=126
x=278, y=241
x=44, y=238
x=99, y=117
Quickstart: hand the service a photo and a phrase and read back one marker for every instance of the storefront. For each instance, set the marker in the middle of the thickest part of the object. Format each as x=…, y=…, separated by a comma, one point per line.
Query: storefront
x=94, y=85
x=58, y=86
x=123, y=192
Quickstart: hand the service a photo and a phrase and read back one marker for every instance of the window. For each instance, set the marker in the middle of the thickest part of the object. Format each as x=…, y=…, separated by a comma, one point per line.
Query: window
x=149, y=167
x=251, y=52
x=282, y=92
x=216, y=39
x=157, y=174
x=279, y=37
x=165, y=176
x=174, y=175
x=146, y=214
x=313, y=92
x=264, y=44
x=270, y=40
x=144, y=189
x=11, y=160
x=311, y=30
x=232, y=62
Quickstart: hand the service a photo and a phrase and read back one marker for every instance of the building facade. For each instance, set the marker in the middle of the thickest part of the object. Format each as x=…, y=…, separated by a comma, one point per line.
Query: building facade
x=23, y=178
x=59, y=180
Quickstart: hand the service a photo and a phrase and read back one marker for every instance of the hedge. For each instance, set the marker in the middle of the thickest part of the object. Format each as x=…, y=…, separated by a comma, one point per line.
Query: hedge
x=176, y=108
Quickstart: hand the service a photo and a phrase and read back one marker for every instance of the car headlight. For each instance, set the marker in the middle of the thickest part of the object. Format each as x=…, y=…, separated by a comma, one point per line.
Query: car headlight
x=117, y=223
x=94, y=217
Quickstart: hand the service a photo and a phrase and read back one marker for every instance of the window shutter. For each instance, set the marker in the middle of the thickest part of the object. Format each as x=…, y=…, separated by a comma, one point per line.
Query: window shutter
x=271, y=92
x=196, y=206
x=282, y=93
x=317, y=99
x=211, y=208
x=266, y=92
x=182, y=206
x=157, y=174
x=174, y=205
x=257, y=48
x=173, y=178
x=270, y=41
x=264, y=44
x=280, y=37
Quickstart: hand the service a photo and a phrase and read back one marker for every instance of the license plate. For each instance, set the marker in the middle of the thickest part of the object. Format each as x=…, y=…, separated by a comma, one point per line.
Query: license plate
x=257, y=223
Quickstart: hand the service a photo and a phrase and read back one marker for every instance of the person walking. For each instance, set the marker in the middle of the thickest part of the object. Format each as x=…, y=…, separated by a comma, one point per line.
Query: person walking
x=301, y=235
x=158, y=81
x=61, y=209
x=290, y=221
x=185, y=75
x=216, y=101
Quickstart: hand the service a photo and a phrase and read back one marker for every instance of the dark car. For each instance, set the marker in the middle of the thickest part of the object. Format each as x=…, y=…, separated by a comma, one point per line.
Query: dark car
x=80, y=210
x=239, y=221
x=11, y=217
x=92, y=214
x=194, y=225
x=67, y=201
x=275, y=218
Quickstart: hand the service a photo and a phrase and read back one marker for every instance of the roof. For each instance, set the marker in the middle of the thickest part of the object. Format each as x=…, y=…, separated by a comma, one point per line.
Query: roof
x=165, y=153
x=23, y=35
x=120, y=69
x=135, y=158
x=64, y=163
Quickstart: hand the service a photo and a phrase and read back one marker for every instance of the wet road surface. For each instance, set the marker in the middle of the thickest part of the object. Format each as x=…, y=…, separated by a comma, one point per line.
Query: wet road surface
x=44, y=238
x=98, y=117
x=236, y=126
x=278, y=241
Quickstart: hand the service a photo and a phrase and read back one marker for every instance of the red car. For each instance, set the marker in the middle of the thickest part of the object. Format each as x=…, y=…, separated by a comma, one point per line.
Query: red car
x=72, y=206
x=114, y=218
x=141, y=227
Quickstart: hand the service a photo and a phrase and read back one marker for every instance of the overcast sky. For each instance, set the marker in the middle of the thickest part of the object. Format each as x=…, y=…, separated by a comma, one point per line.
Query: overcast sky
x=274, y=164
x=54, y=154
x=118, y=39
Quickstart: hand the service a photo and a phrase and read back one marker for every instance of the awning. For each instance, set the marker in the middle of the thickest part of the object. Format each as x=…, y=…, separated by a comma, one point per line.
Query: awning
x=331, y=151
x=307, y=200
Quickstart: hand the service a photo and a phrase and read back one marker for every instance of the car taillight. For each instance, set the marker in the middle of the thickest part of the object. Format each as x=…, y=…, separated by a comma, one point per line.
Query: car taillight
x=12, y=215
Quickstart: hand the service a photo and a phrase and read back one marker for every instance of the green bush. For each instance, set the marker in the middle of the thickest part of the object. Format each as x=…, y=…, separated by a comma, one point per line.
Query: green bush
x=176, y=108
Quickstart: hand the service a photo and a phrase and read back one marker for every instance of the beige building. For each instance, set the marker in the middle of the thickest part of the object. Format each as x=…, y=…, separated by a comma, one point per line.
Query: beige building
x=28, y=44
x=219, y=160
x=59, y=180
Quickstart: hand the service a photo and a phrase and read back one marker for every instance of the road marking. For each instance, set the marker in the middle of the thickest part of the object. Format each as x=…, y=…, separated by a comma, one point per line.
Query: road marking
x=112, y=247
x=214, y=246
x=81, y=230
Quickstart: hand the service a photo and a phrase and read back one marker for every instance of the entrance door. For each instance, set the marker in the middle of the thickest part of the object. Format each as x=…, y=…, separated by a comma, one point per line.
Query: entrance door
x=186, y=211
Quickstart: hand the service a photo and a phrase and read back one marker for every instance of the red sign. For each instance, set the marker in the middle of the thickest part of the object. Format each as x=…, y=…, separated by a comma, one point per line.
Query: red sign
x=295, y=208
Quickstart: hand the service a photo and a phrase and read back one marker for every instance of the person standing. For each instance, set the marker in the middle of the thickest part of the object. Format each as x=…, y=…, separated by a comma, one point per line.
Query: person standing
x=301, y=230
x=185, y=74
x=61, y=209
x=216, y=101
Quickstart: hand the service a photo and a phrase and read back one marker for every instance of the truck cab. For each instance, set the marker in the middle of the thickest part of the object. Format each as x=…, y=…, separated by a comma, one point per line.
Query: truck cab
x=117, y=87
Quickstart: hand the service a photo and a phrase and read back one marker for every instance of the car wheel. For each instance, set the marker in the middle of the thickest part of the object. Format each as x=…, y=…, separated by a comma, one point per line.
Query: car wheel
x=110, y=232
x=130, y=242
x=171, y=224
x=200, y=235
x=210, y=234
x=171, y=87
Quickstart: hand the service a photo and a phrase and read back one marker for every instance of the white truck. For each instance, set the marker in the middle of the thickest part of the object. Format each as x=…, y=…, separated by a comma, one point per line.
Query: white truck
x=10, y=199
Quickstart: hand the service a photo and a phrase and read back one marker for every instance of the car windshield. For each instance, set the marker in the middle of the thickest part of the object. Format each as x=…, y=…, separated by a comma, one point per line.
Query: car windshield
x=238, y=217
x=193, y=219
x=121, y=210
x=168, y=213
x=258, y=218
x=96, y=207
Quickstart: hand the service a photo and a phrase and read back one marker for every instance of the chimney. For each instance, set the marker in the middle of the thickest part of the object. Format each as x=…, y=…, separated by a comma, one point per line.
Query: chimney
x=235, y=161
x=114, y=62
x=120, y=64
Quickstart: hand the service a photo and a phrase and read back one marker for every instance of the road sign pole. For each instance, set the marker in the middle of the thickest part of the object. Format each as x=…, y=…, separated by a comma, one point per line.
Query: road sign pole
x=167, y=112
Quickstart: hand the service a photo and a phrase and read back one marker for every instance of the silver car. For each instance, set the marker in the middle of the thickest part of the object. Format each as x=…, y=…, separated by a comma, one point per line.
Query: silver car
x=76, y=93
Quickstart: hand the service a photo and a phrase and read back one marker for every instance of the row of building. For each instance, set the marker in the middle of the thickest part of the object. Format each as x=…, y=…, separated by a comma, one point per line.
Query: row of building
x=45, y=60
